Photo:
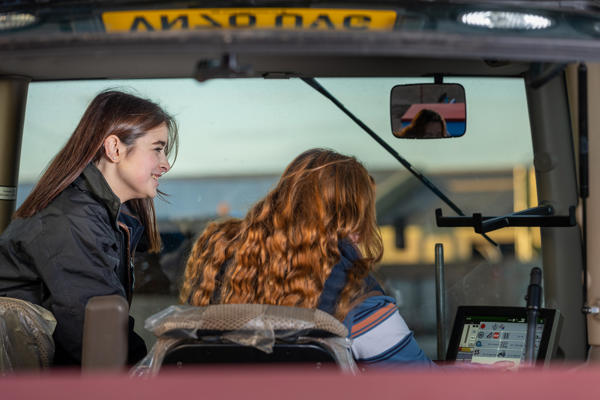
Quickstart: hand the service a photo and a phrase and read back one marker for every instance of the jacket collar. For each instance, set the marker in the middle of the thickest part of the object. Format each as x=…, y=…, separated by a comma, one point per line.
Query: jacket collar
x=101, y=190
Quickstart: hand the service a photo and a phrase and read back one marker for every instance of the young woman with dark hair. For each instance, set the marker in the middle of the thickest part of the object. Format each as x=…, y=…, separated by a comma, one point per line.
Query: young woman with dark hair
x=311, y=242
x=75, y=236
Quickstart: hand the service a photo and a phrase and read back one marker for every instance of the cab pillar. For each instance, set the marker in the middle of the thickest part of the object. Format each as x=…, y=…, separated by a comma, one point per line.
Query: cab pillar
x=593, y=200
x=554, y=163
x=593, y=213
x=13, y=96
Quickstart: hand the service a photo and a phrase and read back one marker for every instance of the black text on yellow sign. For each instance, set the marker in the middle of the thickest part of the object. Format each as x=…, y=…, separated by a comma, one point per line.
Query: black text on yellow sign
x=259, y=18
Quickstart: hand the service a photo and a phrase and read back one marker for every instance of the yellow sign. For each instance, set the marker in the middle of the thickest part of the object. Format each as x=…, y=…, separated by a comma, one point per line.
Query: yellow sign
x=260, y=18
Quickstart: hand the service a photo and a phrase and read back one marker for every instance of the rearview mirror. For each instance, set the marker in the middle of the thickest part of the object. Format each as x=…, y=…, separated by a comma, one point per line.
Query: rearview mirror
x=428, y=111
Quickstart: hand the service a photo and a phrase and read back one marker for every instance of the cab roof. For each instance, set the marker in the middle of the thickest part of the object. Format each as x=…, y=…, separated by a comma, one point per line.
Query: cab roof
x=278, y=39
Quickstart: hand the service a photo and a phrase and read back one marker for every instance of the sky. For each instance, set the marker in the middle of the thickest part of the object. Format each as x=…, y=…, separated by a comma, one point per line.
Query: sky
x=257, y=126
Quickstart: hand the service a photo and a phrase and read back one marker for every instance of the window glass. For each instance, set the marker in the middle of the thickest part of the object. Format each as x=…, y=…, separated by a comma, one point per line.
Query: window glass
x=237, y=136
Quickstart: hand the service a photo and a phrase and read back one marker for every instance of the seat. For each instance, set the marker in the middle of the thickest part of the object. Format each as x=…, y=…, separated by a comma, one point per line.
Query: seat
x=25, y=336
x=245, y=333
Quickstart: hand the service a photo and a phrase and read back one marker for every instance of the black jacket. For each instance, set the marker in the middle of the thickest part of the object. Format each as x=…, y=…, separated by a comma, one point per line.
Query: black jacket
x=80, y=246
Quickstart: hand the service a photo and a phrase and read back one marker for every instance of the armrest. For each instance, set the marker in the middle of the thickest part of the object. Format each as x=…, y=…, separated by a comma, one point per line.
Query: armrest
x=105, y=333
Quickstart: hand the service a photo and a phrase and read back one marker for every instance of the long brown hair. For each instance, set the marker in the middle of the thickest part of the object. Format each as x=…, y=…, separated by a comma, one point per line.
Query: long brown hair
x=283, y=251
x=110, y=113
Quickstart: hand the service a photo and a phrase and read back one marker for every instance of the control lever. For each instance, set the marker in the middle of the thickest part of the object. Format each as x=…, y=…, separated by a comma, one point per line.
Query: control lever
x=534, y=301
x=440, y=301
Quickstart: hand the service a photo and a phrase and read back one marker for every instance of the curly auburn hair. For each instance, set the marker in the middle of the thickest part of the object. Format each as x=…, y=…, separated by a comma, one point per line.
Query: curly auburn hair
x=283, y=251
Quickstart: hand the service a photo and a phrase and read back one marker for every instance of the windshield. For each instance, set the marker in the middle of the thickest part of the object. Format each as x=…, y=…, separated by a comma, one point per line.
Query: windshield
x=237, y=136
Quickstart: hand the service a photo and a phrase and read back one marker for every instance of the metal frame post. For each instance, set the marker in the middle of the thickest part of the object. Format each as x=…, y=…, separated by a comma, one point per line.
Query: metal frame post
x=13, y=97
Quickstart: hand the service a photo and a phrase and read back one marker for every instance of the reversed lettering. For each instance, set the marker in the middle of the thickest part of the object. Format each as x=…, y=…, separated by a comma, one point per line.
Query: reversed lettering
x=249, y=19
x=167, y=25
x=357, y=22
x=210, y=20
x=140, y=21
x=322, y=18
x=282, y=18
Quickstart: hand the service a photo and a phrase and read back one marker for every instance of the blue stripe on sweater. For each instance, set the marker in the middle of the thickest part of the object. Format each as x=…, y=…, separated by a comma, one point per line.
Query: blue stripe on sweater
x=337, y=278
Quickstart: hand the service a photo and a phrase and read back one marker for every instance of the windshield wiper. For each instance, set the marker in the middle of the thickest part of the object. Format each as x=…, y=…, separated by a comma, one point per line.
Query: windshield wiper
x=317, y=86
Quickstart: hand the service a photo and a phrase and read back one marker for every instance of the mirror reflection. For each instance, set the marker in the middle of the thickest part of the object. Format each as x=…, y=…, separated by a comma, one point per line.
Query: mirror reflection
x=428, y=111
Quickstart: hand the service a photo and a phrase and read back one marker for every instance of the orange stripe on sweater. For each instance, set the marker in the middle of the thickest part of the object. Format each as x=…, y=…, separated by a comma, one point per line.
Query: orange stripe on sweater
x=372, y=324
x=372, y=318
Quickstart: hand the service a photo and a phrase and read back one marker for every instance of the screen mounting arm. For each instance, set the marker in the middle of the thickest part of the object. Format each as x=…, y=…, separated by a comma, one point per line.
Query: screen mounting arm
x=541, y=216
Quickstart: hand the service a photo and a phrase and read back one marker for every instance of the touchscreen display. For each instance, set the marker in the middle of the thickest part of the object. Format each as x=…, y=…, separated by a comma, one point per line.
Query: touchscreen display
x=487, y=339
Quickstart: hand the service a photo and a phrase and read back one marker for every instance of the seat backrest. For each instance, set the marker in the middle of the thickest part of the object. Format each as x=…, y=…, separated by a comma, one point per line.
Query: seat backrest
x=221, y=352
x=25, y=335
x=263, y=333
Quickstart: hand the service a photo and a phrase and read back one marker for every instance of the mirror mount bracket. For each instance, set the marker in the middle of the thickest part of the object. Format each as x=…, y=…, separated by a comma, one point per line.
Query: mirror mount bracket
x=541, y=216
x=227, y=66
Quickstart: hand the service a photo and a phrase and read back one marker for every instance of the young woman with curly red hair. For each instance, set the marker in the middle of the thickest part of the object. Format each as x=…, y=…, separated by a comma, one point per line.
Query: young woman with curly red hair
x=311, y=242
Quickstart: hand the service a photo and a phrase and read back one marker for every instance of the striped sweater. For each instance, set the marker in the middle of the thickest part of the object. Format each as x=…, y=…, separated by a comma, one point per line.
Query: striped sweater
x=378, y=332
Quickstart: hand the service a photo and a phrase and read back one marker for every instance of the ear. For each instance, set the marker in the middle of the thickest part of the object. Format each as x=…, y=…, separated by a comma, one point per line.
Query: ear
x=113, y=148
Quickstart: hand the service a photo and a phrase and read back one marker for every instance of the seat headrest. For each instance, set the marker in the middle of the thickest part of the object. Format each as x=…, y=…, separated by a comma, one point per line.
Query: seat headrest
x=237, y=317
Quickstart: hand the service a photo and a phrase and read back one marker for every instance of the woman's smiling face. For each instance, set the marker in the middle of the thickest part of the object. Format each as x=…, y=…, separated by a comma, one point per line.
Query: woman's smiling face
x=144, y=162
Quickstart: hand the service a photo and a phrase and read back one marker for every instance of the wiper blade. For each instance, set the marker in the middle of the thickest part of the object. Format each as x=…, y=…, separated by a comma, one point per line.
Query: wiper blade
x=317, y=86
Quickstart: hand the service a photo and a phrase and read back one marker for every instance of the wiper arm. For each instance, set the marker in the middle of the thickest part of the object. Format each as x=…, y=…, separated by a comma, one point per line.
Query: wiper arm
x=317, y=86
